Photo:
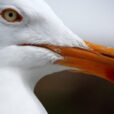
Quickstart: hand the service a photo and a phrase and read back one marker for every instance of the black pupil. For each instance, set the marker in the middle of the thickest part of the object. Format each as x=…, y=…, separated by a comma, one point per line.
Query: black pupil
x=10, y=14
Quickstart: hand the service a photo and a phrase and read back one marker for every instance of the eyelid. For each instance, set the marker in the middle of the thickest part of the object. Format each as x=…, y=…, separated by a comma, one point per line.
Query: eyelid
x=19, y=19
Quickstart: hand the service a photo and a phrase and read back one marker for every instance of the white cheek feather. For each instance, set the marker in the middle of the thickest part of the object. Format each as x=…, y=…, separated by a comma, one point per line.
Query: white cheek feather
x=27, y=57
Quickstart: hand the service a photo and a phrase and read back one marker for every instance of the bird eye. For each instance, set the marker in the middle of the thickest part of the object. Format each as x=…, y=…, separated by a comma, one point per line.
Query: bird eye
x=11, y=15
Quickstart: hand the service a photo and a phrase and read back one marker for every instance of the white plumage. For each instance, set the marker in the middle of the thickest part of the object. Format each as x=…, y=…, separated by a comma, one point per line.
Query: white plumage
x=21, y=67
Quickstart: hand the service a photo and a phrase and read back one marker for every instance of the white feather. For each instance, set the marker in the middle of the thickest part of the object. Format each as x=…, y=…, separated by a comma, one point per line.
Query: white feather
x=22, y=67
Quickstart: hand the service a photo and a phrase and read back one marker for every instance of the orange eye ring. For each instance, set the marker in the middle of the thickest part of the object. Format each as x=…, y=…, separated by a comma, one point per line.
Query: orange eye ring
x=10, y=15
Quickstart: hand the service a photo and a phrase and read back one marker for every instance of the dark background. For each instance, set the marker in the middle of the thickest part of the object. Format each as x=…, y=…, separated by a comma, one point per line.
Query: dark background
x=73, y=93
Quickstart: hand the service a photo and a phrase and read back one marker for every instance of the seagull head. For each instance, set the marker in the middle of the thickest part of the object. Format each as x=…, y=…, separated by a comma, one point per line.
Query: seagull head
x=31, y=35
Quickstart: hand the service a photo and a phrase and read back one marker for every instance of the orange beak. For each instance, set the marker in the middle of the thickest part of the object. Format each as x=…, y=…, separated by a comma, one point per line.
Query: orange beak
x=98, y=60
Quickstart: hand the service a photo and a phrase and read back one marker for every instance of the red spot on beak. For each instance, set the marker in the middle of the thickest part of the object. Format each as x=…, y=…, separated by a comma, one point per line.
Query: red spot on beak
x=110, y=75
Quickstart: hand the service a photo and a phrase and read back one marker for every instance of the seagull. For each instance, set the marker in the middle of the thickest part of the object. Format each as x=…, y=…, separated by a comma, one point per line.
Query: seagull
x=34, y=42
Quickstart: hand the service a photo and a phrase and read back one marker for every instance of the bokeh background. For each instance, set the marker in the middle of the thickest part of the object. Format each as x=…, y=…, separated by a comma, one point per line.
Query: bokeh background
x=74, y=93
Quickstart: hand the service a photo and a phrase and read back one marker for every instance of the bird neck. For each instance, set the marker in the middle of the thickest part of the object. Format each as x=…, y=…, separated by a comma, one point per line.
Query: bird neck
x=15, y=95
x=16, y=89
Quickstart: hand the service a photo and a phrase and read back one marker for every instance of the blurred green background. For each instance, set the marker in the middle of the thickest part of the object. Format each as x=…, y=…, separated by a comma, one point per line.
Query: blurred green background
x=74, y=93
